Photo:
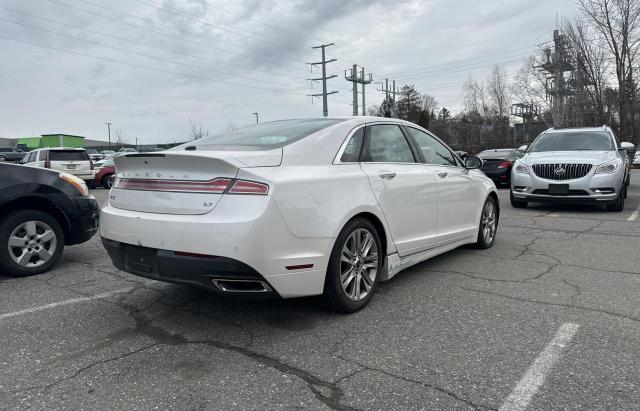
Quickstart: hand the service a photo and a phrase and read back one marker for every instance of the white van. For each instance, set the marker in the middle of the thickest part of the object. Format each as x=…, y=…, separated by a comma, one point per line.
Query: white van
x=74, y=161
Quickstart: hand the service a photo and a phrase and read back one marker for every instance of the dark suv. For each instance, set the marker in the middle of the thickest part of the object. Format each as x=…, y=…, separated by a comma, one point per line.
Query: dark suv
x=11, y=154
x=41, y=211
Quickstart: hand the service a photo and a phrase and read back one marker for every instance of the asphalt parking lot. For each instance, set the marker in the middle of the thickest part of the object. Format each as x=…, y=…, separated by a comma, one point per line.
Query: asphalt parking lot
x=549, y=318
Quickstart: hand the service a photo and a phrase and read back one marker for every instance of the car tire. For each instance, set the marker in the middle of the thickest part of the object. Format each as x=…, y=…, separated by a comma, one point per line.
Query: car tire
x=354, y=243
x=34, y=226
x=91, y=184
x=3, y=158
x=618, y=205
x=516, y=203
x=488, y=226
x=107, y=181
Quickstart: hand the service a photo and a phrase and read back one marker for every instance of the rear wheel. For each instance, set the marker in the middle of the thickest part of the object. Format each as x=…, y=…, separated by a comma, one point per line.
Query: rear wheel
x=3, y=158
x=354, y=267
x=107, y=182
x=31, y=242
x=516, y=203
x=488, y=224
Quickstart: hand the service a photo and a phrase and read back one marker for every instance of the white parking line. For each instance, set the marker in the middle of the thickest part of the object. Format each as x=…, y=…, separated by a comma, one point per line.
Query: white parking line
x=634, y=215
x=61, y=303
x=538, y=371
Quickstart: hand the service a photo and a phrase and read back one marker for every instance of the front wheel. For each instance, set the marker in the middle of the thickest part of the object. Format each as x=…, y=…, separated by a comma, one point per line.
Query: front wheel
x=31, y=242
x=515, y=203
x=354, y=267
x=618, y=205
x=488, y=224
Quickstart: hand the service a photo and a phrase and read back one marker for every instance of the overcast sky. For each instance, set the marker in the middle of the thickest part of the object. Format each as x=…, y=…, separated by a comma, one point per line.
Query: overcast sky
x=156, y=65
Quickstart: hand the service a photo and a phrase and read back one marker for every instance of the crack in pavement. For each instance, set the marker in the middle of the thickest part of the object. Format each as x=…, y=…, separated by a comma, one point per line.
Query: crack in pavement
x=510, y=297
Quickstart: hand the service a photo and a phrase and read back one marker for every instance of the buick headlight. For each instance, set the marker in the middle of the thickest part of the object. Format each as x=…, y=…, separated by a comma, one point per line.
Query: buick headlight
x=521, y=168
x=608, y=168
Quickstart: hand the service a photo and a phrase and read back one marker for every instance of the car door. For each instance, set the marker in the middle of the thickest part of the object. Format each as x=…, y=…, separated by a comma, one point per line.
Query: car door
x=457, y=191
x=405, y=190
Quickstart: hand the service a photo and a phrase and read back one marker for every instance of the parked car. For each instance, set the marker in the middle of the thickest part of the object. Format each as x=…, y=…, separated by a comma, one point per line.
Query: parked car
x=106, y=158
x=497, y=163
x=581, y=165
x=74, y=161
x=296, y=208
x=462, y=154
x=10, y=154
x=105, y=174
x=636, y=160
x=106, y=153
x=127, y=150
x=41, y=211
x=94, y=155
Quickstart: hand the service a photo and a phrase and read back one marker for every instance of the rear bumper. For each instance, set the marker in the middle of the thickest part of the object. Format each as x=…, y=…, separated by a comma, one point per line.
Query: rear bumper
x=247, y=230
x=203, y=272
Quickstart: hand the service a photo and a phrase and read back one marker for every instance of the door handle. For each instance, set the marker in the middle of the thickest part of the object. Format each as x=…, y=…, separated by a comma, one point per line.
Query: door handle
x=442, y=174
x=386, y=175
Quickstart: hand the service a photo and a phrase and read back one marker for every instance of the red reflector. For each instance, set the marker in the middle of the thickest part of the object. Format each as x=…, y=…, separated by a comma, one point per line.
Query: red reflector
x=248, y=187
x=184, y=254
x=505, y=164
x=217, y=185
x=299, y=267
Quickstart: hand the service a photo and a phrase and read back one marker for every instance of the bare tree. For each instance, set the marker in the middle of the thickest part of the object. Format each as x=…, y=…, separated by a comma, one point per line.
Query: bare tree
x=197, y=131
x=618, y=22
x=529, y=87
x=498, y=90
x=121, y=139
x=429, y=103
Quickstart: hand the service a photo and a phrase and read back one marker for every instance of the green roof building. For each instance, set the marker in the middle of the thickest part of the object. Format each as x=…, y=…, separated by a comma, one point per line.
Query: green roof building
x=52, y=140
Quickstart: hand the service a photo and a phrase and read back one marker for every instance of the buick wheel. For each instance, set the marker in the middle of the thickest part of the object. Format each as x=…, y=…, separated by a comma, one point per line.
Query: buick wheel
x=354, y=267
x=32, y=242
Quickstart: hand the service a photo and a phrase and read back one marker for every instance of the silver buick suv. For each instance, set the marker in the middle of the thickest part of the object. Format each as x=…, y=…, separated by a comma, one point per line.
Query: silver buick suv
x=578, y=165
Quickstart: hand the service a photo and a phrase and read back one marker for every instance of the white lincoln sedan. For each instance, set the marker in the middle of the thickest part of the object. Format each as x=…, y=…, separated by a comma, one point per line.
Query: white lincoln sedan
x=297, y=208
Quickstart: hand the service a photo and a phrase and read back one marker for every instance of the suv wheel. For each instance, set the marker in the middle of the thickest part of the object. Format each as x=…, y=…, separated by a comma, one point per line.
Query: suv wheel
x=3, y=158
x=354, y=267
x=516, y=203
x=31, y=242
x=618, y=205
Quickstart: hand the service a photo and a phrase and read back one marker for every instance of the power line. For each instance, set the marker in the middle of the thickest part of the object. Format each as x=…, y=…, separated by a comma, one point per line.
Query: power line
x=205, y=45
x=448, y=71
x=149, y=45
x=150, y=68
x=140, y=54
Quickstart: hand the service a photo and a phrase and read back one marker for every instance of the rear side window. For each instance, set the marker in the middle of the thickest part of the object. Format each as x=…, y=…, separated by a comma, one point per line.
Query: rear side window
x=68, y=155
x=351, y=153
x=42, y=155
x=387, y=144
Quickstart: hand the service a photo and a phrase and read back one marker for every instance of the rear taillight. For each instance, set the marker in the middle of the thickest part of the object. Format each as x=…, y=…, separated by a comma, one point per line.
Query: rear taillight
x=248, y=187
x=216, y=186
x=505, y=164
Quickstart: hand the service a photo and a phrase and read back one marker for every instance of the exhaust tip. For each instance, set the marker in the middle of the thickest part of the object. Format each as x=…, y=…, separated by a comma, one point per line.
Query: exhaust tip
x=241, y=286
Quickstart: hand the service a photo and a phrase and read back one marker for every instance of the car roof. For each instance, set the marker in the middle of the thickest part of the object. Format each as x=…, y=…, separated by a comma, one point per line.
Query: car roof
x=578, y=129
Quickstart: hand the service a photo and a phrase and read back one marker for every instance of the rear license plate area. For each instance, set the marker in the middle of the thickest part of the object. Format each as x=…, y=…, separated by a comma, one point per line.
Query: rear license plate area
x=71, y=166
x=559, y=189
x=140, y=259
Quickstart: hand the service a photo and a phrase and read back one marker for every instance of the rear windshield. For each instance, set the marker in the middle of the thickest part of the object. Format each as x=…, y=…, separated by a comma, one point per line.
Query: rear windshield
x=573, y=141
x=68, y=155
x=263, y=136
x=495, y=154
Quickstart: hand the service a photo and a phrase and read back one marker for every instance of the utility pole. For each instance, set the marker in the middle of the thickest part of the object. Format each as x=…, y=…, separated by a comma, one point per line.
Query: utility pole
x=137, y=144
x=324, y=78
x=109, y=131
x=257, y=117
x=356, y=79
x=556, y=65
x=392, y=110
x=395, y=107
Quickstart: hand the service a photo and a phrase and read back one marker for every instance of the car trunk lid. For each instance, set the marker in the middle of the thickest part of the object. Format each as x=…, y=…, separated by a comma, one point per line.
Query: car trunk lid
x=181, y=182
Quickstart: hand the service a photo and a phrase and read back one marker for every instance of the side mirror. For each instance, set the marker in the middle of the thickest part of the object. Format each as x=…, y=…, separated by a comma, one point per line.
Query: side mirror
x=473, y=163
x=523, y=148
x=628, y=146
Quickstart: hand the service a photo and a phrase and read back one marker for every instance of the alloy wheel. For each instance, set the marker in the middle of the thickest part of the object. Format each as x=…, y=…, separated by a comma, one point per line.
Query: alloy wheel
x=32, y=244
x=488, y=222
x=359, y=264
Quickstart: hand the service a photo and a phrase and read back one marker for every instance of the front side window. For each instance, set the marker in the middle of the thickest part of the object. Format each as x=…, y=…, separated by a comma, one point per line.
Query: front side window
x=433, y=151
x=387, y=144
x=351, y=153
x=573, y=141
